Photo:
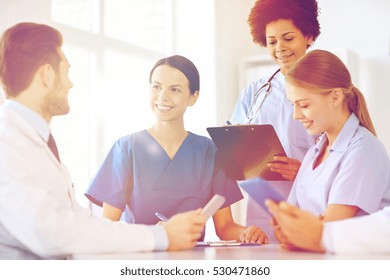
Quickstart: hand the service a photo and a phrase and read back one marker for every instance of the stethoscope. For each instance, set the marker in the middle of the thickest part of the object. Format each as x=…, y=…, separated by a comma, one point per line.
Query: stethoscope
x=267, y=86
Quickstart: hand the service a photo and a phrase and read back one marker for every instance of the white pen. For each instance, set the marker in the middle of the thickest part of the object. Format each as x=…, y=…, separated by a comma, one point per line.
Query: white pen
x=162, y=217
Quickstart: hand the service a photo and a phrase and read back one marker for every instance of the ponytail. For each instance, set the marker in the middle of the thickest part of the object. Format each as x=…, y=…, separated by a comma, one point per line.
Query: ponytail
x=357, y=104
x=323, y=71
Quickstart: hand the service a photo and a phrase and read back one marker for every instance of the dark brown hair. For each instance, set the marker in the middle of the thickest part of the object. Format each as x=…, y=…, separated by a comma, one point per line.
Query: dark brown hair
x=185, y=66
x=25, y=47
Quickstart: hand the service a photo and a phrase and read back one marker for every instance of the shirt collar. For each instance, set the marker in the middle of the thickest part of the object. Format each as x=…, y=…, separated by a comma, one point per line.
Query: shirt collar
x=35, y=120
x=343, y=139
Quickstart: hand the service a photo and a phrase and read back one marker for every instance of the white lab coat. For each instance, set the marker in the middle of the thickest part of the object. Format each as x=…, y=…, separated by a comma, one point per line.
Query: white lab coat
x=39, y=216
x=366, y=234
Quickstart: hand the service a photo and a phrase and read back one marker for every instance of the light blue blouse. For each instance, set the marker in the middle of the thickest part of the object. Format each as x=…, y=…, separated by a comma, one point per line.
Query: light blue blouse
x=355, y=173
x=138, y=177
x=278, y=112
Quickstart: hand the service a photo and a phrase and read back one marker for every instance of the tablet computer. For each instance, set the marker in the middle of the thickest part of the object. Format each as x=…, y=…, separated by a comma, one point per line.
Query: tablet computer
x=245, y=150
x=213, y=206
x=260, y=190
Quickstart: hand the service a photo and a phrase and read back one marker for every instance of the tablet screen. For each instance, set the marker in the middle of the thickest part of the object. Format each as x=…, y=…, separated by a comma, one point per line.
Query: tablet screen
x=260, y=190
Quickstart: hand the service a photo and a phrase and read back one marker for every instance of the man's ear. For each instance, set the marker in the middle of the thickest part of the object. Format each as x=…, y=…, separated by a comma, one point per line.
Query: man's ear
x=48, y=75
x=193, y=98
x=337, y=97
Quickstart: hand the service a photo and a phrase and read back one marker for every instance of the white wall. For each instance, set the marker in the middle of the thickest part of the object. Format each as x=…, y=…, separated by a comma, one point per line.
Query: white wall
x=363, y=27
x=233, y=42
x=360, y=27
x=193, y=32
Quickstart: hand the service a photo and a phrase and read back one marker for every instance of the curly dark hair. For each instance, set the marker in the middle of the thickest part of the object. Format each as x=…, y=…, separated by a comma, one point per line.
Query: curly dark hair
x=303, y=13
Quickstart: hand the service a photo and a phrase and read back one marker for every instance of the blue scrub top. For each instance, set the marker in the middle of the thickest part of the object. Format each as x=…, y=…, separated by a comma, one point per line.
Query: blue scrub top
x=138, y=177
x=355, y=173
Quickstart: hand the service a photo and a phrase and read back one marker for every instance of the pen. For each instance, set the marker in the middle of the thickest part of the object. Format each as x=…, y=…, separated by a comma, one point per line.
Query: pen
x=162, y=217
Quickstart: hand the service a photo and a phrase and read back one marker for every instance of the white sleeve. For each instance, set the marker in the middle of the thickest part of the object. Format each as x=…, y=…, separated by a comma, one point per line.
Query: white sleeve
x=367, y=234
x=38, y=212
x=48, y=228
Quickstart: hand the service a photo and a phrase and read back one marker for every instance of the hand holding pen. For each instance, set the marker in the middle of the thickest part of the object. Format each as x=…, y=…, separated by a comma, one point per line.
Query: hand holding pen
x=161, y=216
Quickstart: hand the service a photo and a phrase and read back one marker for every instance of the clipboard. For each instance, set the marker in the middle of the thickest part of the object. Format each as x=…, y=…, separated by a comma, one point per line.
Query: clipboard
x=260, y=190
x=244, y=150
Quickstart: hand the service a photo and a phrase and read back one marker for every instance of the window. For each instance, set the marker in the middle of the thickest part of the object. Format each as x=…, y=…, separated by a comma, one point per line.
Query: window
x=111, y=46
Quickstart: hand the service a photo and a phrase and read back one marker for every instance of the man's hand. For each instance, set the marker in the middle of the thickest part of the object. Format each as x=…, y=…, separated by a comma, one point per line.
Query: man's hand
x=296, y=227
x=184, y=229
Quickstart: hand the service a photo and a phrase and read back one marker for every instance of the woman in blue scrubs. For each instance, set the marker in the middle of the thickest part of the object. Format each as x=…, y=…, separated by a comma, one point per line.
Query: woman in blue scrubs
x=346, y=173
x=286, y=28
x=165, y=168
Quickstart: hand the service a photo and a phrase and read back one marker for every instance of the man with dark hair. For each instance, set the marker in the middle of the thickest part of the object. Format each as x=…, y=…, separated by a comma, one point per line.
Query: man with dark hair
x=39, y=215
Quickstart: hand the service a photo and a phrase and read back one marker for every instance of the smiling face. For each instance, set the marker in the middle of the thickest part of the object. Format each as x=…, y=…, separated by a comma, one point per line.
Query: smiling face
x=170, y=93
x=316, y=111
x=285, y=43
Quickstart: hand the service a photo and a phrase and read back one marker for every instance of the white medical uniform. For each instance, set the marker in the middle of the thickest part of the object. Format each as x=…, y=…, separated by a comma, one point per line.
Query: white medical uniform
x=356, y=173
x=368, y=234
x=278, y=112
x=39, y=216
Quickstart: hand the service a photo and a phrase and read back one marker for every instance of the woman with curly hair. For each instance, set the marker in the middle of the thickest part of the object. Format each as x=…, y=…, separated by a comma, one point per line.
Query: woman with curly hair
x=286, y=28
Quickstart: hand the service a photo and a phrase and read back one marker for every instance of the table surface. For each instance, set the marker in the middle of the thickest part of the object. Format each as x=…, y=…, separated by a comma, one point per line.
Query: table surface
x=263, y=252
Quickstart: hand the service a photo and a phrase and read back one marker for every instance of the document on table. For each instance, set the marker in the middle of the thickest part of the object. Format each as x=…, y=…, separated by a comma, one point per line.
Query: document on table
x=224, y=243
